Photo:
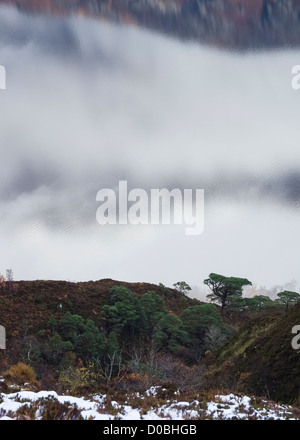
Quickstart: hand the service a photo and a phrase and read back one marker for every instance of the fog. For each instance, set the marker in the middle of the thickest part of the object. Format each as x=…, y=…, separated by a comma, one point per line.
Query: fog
x=89, y=104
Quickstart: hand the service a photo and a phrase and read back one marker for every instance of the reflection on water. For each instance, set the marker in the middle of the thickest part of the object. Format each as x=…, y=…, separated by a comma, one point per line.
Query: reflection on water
x=234, y=24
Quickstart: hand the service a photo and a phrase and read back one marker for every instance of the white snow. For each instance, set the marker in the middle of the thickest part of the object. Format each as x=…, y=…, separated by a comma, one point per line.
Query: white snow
x=228, y=406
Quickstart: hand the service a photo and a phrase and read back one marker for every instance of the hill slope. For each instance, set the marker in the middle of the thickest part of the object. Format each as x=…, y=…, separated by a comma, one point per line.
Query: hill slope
x=260, y=358
x=31, y=303
x=235, y=24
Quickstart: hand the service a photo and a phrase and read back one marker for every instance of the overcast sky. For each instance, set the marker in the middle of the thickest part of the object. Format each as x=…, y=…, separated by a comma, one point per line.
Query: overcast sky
x=89, y=104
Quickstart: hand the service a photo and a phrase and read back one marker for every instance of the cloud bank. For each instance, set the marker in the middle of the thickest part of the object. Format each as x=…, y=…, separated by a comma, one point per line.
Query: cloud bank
x=89, y=104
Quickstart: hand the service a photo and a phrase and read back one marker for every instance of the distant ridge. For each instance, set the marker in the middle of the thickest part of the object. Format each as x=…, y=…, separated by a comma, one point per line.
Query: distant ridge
x=230, y=24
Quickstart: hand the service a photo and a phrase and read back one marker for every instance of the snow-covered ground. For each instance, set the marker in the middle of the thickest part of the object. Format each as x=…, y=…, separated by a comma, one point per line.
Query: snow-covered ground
x=32, y=405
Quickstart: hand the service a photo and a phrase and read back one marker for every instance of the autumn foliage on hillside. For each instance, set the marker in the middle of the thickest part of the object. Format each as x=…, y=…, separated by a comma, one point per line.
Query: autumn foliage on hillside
x=84, y=337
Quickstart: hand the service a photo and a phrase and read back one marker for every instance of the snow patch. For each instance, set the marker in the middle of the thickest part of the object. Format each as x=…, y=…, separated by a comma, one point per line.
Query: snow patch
x=226, y=407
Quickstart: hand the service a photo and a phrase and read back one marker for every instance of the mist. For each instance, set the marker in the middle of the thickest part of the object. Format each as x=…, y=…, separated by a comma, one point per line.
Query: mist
x=89, y=104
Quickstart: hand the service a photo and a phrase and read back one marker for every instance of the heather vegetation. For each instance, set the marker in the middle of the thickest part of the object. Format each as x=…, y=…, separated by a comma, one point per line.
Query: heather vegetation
x=109, y=336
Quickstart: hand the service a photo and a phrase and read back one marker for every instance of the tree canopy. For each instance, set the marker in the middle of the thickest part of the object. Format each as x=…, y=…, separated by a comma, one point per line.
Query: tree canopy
x=287, y=298
x=224, y=288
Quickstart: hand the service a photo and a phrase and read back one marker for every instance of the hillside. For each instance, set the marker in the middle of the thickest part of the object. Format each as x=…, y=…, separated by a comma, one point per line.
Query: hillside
x=26, y=309
x=260, y=358
x=234, y=24
x=115, y=337
x=33, y=302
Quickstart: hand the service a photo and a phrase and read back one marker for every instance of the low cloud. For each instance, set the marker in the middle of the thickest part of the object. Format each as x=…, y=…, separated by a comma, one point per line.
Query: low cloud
x=88, y=104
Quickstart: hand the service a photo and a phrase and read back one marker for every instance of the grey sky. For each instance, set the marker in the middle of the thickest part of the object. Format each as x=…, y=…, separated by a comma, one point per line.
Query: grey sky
x=88, y=104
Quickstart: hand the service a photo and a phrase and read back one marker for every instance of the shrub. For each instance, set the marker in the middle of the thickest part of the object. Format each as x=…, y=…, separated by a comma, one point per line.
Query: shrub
x=20, y=374
x=52, y=409
x=74, y=379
